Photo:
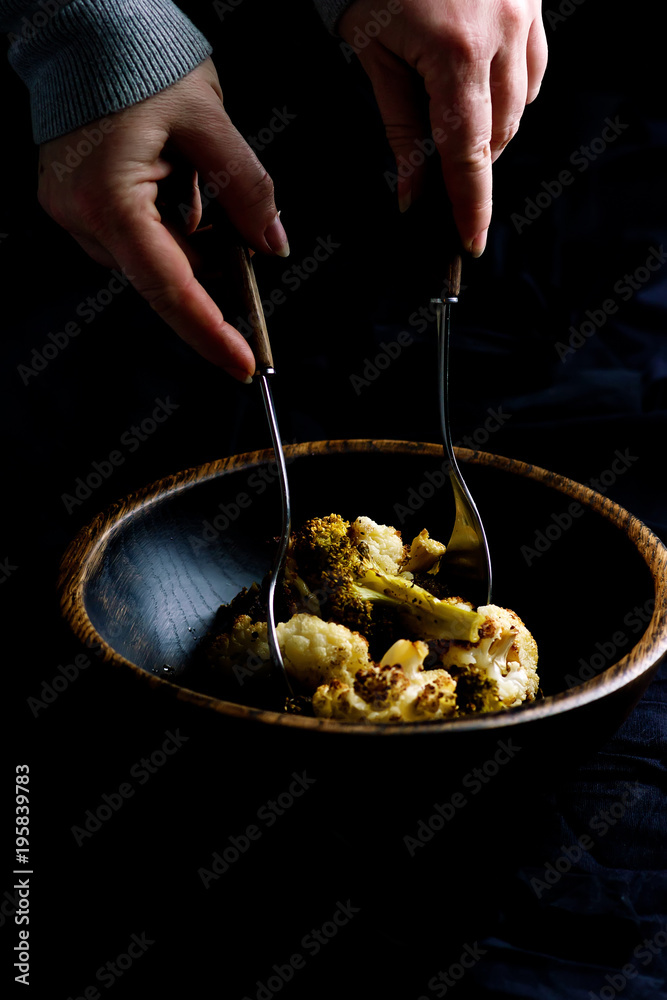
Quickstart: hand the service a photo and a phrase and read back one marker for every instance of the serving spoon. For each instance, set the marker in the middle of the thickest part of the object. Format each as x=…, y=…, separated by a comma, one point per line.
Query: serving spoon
x=246, y=280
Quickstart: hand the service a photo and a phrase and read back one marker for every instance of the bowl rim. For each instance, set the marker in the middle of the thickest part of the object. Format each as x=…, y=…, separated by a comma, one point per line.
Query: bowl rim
x=85, y=551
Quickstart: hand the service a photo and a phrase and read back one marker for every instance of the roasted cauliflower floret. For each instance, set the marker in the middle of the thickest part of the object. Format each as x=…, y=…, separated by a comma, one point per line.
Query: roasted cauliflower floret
x=398, y=689
x=505, y=654
x=383, y=544
x=425, y=554
x=316, y=651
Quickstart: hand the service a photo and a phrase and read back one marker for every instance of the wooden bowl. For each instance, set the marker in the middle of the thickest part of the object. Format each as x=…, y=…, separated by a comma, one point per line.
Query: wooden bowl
x=143, y=581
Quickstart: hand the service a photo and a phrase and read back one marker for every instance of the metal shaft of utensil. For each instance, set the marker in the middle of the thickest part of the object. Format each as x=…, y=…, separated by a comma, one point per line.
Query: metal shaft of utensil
x=279, y=559
x=467, y=546
x=259, y=341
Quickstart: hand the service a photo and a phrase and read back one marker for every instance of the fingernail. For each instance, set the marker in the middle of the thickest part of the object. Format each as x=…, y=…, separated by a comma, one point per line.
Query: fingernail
x=276, y=237
x=405, y=200
x=478, y=244
x=240, y=375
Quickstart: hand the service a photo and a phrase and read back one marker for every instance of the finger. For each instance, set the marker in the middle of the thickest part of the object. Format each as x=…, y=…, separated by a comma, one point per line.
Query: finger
x=178, y=198
x=461, y=105
x=230, y=172
x=509, y=86
x=536, y=58
x=160, y=271
x=399, y=96
x=197, y=209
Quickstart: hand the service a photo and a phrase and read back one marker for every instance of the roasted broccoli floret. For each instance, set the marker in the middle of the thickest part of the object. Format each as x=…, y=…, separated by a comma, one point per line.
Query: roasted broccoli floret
x=475, y=691
x=355, y=578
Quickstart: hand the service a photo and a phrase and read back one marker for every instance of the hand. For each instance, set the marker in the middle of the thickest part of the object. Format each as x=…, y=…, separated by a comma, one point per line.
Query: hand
x=481, y=62
x=109, y=201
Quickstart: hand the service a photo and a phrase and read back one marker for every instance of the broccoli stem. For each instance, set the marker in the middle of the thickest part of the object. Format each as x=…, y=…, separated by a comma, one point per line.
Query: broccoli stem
x=427, y=615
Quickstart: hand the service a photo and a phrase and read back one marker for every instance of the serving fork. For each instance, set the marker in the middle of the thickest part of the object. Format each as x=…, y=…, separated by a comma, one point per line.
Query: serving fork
x=466, y=564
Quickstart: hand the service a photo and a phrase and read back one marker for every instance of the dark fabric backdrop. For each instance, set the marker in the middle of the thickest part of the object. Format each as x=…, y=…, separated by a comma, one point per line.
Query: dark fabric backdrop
x=554, y=258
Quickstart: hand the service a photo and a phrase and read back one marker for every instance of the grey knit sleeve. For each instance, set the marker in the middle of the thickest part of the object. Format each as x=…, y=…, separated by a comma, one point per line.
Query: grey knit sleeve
x=331, y=11
x=83, y=59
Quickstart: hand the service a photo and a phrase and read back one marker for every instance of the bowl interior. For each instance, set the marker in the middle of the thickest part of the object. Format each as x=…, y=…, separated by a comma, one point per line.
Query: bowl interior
x=164, y=564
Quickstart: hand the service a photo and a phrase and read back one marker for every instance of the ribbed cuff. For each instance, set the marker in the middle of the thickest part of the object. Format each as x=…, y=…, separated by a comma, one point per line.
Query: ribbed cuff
x=94, y=57
x=331, y=11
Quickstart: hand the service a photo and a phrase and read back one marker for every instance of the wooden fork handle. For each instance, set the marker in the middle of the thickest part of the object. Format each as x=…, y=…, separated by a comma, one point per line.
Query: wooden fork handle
x=244, y=276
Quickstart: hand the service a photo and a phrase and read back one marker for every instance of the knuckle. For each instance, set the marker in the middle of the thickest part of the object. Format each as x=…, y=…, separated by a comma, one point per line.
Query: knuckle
x=164, y=299
x=463, y=48
x=467, y=48
x=512, y=15
x=476, y=157
x=259, y=192
x=503, y=136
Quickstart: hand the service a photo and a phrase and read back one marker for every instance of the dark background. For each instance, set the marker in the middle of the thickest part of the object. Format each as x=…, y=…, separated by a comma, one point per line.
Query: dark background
x=138, y=874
